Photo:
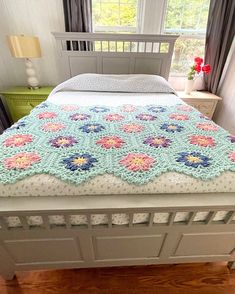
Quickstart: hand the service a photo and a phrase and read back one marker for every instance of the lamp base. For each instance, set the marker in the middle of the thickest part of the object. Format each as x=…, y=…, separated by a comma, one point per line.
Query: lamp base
x=32, y=79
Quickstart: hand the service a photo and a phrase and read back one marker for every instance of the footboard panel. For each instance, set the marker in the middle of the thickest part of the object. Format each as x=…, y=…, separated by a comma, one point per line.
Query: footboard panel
x=27, y=246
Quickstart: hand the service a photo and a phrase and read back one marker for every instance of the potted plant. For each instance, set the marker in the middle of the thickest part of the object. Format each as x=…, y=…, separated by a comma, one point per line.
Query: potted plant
x=195, y=72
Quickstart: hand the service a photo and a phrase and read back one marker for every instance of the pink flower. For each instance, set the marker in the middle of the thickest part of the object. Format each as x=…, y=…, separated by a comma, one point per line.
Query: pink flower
x=114, y=117
x=198, y=68
x=46, y=115
x=132, y=128
x=110, y=142
x=207, y=127
x=232, y=156
x=69, y=107
x=128, y=108
x=202, y=141
x=137, y=162
x=198, y=60
x=18, y=140
x=206, y=68
x=52, y=127
x=179, y=116
x=185, y=108
x=21, y=160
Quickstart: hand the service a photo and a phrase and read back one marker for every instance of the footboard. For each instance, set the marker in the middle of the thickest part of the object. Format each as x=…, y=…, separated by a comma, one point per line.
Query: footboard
x=67, y=244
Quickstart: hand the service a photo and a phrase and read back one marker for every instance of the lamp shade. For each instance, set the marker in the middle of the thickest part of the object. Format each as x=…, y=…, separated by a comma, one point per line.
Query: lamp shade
x=24, y=47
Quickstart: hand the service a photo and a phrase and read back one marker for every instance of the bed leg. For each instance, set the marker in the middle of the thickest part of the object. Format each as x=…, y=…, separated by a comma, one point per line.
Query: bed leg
x=8, y=276
x=231, y=265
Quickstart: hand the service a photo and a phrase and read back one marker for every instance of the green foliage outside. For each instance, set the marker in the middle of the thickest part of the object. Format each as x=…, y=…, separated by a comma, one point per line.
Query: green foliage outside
x=184, y=17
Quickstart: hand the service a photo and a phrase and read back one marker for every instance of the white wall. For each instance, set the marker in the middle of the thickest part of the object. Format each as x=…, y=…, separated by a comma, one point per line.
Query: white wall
x=225, y=112
x=30, y=17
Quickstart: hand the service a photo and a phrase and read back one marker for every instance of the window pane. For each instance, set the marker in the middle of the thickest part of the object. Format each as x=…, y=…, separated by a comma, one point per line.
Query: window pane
x=185, y=51
x=187, y=16
x=115, y=15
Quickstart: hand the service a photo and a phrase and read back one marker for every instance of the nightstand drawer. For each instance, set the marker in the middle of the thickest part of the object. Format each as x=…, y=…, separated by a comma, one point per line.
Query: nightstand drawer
x=21, y=100
x=205, y=107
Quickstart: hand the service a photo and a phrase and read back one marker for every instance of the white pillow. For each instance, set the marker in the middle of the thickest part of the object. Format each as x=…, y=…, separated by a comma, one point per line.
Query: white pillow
x=135, y=83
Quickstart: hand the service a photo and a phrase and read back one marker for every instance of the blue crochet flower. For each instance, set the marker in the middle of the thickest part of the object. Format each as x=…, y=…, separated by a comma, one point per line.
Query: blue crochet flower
x=99, y=109
x=157, y=109
x=79, y=161
x=18, y=125
x=171, y=128
x=42, y=105
x=193, y=159
x=92, y=128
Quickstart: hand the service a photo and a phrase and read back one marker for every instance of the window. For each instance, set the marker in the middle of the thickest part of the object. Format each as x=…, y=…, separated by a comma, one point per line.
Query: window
x=115, y=15
x=188, y=18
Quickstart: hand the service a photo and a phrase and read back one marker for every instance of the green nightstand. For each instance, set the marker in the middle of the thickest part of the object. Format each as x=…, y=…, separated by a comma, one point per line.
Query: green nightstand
x=21, y=100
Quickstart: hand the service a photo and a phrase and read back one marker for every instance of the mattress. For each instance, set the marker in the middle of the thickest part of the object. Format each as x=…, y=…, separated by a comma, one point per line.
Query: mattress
x=171, y=182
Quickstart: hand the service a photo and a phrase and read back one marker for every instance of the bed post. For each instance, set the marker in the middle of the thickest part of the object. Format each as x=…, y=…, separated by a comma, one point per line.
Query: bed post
x=7, y=268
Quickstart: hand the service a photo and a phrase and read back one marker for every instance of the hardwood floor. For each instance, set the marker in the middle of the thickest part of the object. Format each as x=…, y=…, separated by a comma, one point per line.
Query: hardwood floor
x=204, y=278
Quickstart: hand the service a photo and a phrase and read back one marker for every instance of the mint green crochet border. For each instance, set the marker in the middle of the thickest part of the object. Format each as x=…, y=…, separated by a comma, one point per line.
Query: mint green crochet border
x=108, y=160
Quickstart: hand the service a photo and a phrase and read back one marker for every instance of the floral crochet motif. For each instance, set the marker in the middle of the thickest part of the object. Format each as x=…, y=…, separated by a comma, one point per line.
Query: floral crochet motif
x=52, y=127
x=128, y=108
x=202, y=141
x=69, y=107
x=147, y=117
x=132, y=128
x=99, y=109
x=114, y=117
x=18, y=140
x=171, y=128
x=157, y=109
x=232, y=156
x=186, y=108
x=157, y=142
x=63, y=141
x=92, y=128
x=79, y=161
x=137, y=162
x=207, y=127
x=110, y=142
x=17, y=126
x=193, y=159
x=80, y=116
x=179, y=116
x=47, y=115
x=21, y=160
x=231, y=138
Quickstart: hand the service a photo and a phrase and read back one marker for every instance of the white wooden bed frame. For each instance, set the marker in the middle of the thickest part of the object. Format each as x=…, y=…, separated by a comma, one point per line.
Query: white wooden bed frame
x=68, y=246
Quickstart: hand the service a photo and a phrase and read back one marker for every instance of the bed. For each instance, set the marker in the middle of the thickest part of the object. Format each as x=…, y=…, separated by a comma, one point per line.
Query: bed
x=118, y=212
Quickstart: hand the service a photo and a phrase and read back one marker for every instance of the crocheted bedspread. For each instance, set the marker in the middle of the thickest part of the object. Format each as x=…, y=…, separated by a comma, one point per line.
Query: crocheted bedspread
x=135, y=143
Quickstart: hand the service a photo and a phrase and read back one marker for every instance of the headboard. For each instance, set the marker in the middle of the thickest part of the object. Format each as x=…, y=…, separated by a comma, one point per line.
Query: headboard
x=114, y=53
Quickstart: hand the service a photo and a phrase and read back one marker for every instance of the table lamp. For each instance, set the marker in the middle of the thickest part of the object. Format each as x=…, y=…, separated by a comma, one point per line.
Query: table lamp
x=26, y=47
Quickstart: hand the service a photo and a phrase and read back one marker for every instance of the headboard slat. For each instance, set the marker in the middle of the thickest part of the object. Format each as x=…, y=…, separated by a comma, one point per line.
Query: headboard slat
x=114, y=53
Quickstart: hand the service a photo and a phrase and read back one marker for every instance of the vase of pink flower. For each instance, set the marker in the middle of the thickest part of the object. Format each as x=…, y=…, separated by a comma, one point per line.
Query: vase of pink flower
x=195, y=71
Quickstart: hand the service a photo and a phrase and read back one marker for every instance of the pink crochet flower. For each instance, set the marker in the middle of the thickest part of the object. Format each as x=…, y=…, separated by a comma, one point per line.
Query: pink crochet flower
x=137, y=162
x=52, y=127
x=46, y=115
x=179, y=116
x=185, y=108
x=69, y=107
x=207, y=127
x=110, y=142
x=21, y=160
x=128, y=108
x=132, y=128
x=18, y=140
x=114, y=117
x=202, y=141
x=232, y=156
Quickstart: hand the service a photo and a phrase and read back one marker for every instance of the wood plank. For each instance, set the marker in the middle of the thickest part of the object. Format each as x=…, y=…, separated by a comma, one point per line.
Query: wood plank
x=204, y=278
